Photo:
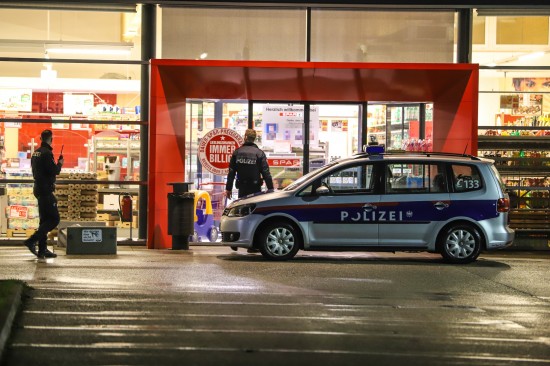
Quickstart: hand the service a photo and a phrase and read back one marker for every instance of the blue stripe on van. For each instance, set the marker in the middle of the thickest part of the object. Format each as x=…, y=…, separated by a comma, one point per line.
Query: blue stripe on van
x=386, y=212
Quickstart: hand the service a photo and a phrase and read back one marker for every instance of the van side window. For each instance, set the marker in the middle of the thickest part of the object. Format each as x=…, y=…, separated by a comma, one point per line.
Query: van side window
x=466, y=178
x=416, y=178
x=350, y=180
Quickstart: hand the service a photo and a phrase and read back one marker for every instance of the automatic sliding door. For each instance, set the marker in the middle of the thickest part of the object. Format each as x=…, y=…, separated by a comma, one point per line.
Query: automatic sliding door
x=280, y=129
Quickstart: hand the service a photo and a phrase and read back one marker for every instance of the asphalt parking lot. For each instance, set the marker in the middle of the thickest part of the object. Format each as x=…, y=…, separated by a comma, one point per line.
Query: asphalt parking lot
x=212, y=306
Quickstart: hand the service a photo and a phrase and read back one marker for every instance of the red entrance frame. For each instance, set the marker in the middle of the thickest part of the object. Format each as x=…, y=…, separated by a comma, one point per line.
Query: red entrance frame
x=453, y=88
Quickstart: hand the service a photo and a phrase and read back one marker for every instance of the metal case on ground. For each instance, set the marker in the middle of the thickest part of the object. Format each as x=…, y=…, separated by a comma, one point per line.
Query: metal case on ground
x=91, y=240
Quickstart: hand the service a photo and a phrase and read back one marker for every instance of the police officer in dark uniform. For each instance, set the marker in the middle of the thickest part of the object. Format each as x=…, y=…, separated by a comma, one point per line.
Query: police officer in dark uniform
x=44, y=171
x=249, y=164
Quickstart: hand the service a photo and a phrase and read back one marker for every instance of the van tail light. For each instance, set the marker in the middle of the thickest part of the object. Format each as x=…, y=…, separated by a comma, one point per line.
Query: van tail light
x=503, y=205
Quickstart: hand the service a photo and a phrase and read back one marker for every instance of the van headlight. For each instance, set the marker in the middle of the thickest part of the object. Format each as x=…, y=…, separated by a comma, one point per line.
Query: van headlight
x=239, y=211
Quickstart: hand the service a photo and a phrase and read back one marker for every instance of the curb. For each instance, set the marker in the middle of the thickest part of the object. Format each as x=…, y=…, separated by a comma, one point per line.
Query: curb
x=7, y=319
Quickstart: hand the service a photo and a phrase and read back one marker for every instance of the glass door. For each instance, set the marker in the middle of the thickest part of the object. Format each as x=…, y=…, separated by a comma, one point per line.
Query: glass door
x=396, y=130
x=280, y=130
x=199, y=119
x=411, y=122
x=376, y=123
x=401, y=126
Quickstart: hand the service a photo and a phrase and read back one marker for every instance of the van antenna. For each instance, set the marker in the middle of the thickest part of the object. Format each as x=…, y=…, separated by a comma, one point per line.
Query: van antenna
x=464, y=153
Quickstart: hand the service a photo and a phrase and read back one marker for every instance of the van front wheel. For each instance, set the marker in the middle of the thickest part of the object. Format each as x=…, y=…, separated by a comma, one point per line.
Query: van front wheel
x=278, y=241
x=460, y=244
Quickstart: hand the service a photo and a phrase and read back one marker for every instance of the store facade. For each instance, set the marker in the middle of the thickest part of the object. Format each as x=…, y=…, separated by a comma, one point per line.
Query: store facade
x=98, y=102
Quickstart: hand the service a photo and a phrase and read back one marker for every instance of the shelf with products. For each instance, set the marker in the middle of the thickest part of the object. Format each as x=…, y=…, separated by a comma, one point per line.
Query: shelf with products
x=76, y=201
x=21, y=207
x=126, y=153
x=522, y=156
x=376, y=122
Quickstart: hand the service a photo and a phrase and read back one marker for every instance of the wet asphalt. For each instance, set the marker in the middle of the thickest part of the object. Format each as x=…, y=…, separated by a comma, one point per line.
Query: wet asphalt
x=212, y=306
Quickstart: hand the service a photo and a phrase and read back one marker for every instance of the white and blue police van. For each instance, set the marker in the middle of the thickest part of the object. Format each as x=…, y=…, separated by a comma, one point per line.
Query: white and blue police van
x=451, y=204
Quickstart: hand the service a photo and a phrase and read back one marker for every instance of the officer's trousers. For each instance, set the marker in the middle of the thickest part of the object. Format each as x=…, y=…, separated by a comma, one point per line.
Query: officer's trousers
x=246, y=189
x=49, y=219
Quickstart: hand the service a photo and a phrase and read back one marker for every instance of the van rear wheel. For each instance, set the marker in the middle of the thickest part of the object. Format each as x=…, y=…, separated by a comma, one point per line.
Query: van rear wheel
x=460, y=244
x=279, y=241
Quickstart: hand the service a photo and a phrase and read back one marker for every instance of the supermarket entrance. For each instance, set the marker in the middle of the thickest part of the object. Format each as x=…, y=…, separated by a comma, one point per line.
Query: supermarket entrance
x=295, y=144
x=296, y=140
x=450, y=88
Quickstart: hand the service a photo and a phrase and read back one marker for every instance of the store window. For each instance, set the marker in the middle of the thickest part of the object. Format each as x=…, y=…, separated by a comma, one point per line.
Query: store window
x=382, y=36
x=333, y=134
x=234, y=33
x=478, y=30
x=81, y=79
x=514, y=114
x=522, y=30
x=281, y=135
x=71, y=34
x=401, y=126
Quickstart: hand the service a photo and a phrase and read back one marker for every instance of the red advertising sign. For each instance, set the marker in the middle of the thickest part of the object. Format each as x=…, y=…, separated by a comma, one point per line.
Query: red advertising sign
x=18, y=212
x=216, y=148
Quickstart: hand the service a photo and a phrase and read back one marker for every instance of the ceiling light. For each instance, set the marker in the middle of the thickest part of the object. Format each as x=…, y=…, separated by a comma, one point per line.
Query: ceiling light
x=89, y=51
x=531, y=56
x=203, y=55
x=48, y=74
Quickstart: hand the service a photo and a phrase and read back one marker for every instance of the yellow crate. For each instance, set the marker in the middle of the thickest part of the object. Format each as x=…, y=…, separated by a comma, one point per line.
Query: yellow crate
x=19, y=233
x=102, y=217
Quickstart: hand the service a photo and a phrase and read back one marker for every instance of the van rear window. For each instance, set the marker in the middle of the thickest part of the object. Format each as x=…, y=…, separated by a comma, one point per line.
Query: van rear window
x=466, y=178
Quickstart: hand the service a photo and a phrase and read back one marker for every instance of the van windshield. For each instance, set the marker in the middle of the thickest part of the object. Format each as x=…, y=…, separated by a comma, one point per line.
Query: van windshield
x=309, y=175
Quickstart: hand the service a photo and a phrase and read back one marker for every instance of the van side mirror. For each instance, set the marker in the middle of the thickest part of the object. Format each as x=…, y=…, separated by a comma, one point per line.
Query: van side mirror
x=322, y=191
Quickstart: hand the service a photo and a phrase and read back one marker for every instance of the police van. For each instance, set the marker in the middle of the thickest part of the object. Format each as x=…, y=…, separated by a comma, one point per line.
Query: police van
x=452, y=204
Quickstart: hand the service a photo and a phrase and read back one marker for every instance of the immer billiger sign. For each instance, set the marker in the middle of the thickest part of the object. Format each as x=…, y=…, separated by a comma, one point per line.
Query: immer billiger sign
x=216, y=148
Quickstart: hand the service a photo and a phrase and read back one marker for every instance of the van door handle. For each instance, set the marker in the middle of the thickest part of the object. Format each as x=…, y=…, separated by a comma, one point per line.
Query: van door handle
x=369, y=207
x=441, y=205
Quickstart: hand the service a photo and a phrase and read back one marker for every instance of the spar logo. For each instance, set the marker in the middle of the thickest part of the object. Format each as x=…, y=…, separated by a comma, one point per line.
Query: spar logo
x=216, y=148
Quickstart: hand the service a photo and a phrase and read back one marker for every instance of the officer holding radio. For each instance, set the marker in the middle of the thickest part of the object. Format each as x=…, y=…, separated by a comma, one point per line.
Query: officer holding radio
x=249, y=164
x=44, y=171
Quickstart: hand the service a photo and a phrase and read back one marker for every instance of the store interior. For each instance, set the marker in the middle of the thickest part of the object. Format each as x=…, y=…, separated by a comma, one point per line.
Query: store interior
x=513, y=115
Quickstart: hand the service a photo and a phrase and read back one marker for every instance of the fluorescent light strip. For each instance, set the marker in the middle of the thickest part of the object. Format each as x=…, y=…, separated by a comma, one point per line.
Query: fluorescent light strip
x=88, y=51
x=531, y=56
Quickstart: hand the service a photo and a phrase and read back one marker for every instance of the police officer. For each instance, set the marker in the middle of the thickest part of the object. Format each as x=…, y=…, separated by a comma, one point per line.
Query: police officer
x=44, y=171
x=249, y=164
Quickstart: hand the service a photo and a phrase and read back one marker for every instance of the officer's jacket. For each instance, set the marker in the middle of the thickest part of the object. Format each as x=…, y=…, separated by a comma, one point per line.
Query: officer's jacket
x=249, y=163
x=44, y=170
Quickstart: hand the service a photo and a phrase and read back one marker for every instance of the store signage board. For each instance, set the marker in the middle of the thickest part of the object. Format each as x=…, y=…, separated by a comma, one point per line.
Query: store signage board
x=78, y=104
x=13, y=124
x=18, y=212
x=216, y=148
x=286, y=123
x=284, y=161
x=16, y=100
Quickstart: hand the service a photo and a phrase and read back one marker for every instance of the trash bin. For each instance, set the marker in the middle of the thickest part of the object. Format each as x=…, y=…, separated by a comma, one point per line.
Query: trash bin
x=181, y=215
